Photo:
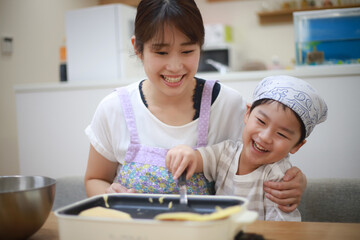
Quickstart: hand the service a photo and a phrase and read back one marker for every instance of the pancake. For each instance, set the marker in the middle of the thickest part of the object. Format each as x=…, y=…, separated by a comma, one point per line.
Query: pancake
x=104, y=213
x=189, y=216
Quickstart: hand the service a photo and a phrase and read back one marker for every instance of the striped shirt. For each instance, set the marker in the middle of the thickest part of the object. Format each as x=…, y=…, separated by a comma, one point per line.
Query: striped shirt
x=221, y=164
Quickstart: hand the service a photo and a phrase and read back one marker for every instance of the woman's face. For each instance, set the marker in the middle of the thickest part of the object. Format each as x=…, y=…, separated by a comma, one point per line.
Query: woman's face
x=171, y=63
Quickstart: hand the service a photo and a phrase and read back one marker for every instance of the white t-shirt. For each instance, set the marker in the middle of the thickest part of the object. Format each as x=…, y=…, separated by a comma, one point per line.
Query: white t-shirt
x=110, y=137
x=221, y=164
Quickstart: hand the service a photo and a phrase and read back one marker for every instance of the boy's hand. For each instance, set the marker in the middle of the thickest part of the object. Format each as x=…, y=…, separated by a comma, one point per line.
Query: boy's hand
x=287, y=194
x=183, y=157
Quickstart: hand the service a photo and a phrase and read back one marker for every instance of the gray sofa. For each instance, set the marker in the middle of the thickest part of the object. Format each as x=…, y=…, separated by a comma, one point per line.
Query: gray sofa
x=69, y=190
x=331, y=200
x=324, y=200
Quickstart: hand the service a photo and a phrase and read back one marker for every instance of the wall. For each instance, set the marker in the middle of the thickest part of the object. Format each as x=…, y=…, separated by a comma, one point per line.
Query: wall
x=253, y=41
x=58, y=116
x=38, y=30
x=332, y=149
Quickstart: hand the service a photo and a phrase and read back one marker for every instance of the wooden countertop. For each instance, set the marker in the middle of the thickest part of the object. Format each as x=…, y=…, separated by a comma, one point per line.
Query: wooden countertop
x=270, y=230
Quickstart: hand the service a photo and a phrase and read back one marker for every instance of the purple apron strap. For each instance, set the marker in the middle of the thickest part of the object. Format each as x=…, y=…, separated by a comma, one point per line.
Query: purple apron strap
x=204, y=118
x=128, y=114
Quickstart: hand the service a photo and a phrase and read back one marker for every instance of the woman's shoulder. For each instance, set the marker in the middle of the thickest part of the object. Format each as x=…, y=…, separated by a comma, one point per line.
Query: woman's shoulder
x=221, y=87
x=231, y=92
x=112, y=99
x=133, y=87
x=230, y=98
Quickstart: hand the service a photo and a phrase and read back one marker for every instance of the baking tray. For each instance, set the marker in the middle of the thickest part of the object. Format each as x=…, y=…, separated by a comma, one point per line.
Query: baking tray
x=143, y=208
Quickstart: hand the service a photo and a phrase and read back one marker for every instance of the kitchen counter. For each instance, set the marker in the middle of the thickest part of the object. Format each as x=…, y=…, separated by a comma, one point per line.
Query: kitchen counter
x=269, y=230
x=301, y=72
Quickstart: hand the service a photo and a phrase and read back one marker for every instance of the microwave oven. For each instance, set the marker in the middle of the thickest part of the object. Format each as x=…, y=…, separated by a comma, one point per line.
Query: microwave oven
x=218, y=59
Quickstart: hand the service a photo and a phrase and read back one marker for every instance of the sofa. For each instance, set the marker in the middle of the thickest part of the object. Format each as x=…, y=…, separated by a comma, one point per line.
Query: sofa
x=331, y=200
x=324, y=200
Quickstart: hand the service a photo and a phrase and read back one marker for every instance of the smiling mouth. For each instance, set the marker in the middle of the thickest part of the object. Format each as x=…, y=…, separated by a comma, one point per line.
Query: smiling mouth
x=172, y=79
x=259, y=148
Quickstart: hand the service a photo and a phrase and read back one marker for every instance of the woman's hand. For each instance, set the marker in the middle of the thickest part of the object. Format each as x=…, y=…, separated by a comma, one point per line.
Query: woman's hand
x=287, y=194
x=183, y=157
x=118, y=188
x=100, y=174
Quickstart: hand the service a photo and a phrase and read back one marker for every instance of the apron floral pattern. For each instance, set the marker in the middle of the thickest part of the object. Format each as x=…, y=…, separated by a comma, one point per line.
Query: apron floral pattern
x=144, y=168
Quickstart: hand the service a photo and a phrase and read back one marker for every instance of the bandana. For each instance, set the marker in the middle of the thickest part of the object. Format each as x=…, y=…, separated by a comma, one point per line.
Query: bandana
x=296, y=94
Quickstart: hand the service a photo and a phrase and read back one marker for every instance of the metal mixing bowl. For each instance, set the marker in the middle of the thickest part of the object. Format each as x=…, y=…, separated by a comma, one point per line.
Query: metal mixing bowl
x=25, y=203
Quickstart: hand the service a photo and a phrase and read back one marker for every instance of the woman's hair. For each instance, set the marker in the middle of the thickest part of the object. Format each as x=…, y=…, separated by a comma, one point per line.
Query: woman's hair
x=153, y=15
x=268, y=101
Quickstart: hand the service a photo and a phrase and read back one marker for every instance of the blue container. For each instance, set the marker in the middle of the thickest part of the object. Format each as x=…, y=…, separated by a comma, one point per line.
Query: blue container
x=327, y=36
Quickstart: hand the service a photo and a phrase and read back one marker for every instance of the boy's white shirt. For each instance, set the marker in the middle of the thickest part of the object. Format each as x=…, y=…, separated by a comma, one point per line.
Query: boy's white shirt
x=220, y=163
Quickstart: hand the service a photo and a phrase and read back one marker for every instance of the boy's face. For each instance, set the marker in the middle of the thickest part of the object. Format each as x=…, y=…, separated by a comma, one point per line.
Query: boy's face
x=270, y=133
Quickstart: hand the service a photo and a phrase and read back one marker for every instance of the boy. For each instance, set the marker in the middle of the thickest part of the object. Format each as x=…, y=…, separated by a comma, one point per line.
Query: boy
x=284, y=113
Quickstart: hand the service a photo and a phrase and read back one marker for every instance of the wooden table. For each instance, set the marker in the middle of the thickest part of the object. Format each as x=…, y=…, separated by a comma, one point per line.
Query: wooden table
x=270, y=230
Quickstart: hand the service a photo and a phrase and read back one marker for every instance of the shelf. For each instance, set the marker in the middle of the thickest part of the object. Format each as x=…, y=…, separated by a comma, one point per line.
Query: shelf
x=133, y=3
x=220, y=0
x=282, y=16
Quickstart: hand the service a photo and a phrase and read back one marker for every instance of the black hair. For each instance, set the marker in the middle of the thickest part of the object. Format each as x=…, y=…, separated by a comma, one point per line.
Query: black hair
x=153, y=15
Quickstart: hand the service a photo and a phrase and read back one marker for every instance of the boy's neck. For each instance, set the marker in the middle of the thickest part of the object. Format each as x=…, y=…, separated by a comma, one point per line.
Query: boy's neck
x=244, y=167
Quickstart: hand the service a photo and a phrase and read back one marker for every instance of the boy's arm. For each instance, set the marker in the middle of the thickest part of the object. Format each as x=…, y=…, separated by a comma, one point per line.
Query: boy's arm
x=183, y=157
x=275, y=173
x=287, y=193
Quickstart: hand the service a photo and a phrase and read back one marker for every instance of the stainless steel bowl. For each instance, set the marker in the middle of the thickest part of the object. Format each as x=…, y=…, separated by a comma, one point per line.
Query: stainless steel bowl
x=25, y=203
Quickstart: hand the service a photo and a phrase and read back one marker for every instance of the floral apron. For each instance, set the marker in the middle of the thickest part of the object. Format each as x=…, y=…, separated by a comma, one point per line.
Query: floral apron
x=144, y=167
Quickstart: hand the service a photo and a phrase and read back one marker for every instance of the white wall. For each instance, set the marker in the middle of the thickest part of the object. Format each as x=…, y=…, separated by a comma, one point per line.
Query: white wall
x=332, y=150
x=38, y=29
x=58, y=116
x=254, y=41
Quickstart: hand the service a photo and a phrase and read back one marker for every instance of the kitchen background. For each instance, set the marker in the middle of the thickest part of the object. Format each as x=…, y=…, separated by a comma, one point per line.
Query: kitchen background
x=37, y=31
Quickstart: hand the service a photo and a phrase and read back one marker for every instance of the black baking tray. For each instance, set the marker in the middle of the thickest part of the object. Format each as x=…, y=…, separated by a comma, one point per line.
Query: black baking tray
x=147, y=206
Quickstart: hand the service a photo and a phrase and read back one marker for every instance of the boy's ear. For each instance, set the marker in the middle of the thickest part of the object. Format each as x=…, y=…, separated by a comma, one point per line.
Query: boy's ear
x=247, y=114
x=297, y=147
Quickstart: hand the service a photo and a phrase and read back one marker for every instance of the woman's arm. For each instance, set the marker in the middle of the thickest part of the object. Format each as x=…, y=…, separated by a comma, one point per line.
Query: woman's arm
x=287, y=194
x=100, y=174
